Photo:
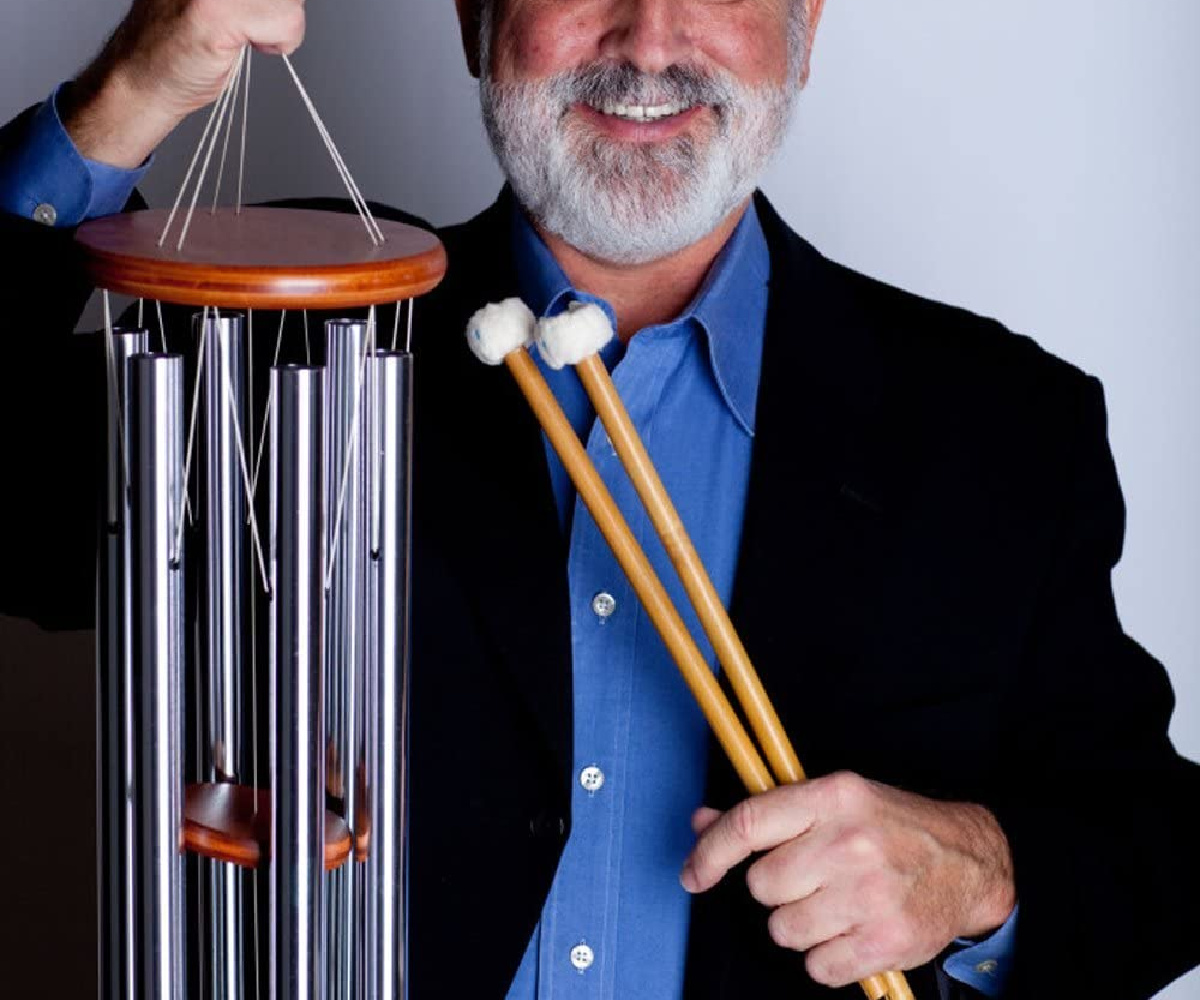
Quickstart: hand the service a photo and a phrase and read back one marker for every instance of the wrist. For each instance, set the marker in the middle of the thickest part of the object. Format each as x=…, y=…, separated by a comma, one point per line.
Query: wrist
x=995, y=892
x=111, y=121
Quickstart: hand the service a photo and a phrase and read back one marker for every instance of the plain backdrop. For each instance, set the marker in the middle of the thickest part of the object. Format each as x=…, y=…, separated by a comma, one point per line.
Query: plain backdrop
x=1036, y=162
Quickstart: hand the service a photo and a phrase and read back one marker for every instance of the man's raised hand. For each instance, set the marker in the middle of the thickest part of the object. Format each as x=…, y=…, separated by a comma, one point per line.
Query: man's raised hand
x=861, y=876
x=167, y=59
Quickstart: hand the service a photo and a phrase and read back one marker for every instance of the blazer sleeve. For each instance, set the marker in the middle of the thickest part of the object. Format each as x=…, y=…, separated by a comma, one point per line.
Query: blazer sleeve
x=51, y=412
x=1101, y=810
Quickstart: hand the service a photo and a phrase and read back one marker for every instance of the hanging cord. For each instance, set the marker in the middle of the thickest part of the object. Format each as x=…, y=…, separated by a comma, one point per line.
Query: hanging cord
x=162, y=327
x=360, y=202
x=245, y=117
x=191, y=440
x=229, y=117
x=115, y=410
x=351, y=446
x=227, y=390
x=187, y=177
x=226, y=105
x=262, y=441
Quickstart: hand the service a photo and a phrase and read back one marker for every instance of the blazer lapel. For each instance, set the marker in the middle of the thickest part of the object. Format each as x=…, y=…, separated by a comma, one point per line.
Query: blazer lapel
x=820, y=483
x=498, y=518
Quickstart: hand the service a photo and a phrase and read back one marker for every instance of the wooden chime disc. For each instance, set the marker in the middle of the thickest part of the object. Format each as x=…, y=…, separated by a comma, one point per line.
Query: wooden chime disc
x=233, y=823
x=261, y=258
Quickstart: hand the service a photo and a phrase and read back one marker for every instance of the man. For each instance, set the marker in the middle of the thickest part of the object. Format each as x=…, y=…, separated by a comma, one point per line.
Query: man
x=912, y=513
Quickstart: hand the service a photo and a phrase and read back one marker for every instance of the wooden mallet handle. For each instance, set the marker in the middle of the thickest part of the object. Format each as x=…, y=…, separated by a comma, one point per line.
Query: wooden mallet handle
x=713, y=703
x=731, y=654
x=730, y=732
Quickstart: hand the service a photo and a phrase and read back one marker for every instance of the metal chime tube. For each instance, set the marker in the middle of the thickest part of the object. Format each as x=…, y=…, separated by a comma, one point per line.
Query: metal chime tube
x=223, y=632
x=156, y=462
x=297, y=758
x=385, y=883
x=114, y=693
x=346, y=426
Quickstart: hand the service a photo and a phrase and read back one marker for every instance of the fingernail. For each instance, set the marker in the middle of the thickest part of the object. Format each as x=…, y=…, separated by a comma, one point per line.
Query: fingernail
x=687, y=878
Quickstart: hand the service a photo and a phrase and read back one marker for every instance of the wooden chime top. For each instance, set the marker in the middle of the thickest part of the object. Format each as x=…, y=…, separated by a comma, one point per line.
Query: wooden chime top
x=261, y=258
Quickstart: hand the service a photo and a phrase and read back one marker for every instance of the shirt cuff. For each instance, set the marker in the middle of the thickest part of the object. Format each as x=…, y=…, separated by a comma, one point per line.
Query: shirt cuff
x=984, y=966
x=47, y=179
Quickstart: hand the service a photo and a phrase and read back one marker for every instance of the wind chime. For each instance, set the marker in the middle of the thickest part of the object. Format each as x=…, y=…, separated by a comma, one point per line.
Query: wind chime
x=253, y=683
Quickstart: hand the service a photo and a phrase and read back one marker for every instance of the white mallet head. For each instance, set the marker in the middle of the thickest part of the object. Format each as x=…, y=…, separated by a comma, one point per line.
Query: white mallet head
x=570, y=337
x=498, y=329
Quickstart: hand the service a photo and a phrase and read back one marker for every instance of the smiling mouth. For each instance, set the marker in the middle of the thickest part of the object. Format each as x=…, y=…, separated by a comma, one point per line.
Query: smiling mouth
x=642, y=112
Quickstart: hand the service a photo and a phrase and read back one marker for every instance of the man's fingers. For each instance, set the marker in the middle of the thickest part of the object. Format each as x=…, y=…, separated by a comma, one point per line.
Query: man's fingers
x=791, y=872
x=858, y=955
x=810, y=922
x=703, y=818
x=275, y=26
x=756, y=824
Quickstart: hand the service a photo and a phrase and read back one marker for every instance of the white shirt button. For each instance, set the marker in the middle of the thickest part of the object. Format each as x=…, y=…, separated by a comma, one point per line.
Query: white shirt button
x=987, y=967
x=582, y=957
x=604, y=604
x=46, y=214
x=592, y=778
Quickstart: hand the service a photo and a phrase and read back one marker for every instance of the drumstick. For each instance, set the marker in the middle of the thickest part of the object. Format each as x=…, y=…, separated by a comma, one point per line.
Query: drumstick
x=648, y=587
x=500, y=333
x=570, y=338
x=734, y=659
x=742, y=752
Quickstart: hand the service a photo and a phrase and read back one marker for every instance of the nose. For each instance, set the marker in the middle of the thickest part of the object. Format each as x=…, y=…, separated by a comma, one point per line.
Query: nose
x=649, y=34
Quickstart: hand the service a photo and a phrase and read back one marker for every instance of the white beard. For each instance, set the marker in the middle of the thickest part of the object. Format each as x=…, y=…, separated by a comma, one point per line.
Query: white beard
x=630, y=203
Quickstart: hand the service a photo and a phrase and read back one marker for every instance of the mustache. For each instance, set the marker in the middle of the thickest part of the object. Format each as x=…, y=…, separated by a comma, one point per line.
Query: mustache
x=623, y=83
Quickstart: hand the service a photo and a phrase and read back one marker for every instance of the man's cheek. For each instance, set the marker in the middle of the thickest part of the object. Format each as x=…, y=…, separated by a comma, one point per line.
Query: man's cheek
x=537, y=42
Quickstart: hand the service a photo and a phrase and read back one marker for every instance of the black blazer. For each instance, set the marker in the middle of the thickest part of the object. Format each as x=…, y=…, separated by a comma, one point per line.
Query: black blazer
x=932, y=519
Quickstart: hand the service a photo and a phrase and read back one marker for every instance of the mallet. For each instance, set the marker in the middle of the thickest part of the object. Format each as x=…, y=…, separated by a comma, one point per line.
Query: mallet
x=501, y=333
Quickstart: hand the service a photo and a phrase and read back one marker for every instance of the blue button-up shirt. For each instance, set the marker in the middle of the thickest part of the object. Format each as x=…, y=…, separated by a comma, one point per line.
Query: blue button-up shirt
x=47, y=169
x=615, y=923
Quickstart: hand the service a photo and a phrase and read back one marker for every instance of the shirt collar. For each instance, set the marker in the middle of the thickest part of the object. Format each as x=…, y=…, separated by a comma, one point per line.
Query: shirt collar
x=730, y=306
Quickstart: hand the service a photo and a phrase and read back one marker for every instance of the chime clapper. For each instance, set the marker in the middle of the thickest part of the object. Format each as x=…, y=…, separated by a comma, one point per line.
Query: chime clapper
x=502, y=333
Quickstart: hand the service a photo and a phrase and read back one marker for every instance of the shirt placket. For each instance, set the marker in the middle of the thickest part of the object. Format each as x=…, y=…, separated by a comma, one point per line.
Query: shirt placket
x=577, y=957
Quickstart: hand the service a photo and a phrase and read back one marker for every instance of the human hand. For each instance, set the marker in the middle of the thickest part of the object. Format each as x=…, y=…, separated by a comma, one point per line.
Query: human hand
x=167, y=59
x=863, y=877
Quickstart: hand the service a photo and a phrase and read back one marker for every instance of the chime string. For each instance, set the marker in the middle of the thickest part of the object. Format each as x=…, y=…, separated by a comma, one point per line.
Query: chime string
x=162, y=327
x=412, y=304
x=115, y=409
x=360, y=202
x=177, y=549
x=245, y=118
x=195, y=158
x=227, y=390
x=373, y=438
x=228, y=124
x=225, y=104
x=351, y=447
x=262, y=441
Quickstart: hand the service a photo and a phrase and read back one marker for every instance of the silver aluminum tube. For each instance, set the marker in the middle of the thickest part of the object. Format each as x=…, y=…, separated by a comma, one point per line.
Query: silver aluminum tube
x=345, y=634
x=296, y=637
x=386, y=703
x=223, y=631
x=114, y=696
x=156, y=466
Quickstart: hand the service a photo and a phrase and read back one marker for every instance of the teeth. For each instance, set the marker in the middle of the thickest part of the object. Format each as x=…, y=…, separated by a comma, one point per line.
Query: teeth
x=642, y=112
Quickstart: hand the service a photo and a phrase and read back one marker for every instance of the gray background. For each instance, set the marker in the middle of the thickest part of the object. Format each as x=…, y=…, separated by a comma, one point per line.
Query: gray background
x=1037, y=162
